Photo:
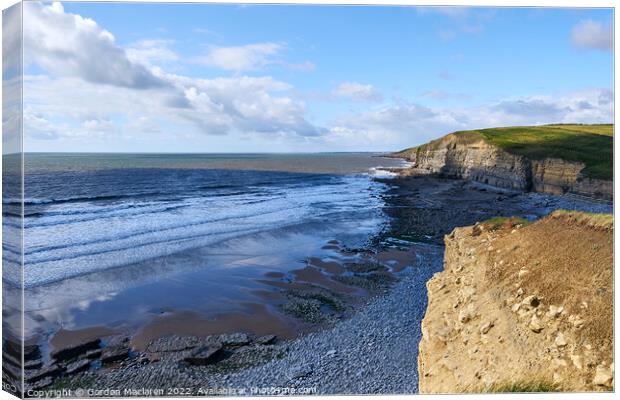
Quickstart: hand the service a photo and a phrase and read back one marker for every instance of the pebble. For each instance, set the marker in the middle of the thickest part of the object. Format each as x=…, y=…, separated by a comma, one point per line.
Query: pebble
x=535, y=324
x=485, y=327
x=602, y=376
x=576, y=320
x=577, y=361
x=554, y=311
x=560, y=341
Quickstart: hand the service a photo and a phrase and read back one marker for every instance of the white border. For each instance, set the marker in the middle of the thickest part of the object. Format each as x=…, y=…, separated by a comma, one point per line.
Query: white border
x=485, y=3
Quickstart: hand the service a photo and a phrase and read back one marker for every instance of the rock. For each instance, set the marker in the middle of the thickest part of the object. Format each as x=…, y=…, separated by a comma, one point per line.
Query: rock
x=523, y=272
x=331, y=353
x=77, y=366
x=174, y=343
x=75, y=351
x=33, y=364
x=535, y=324
x=235, y=339
x=118, y=341
x=42, y=383
x=577, y=361
x=301, y=372
x=112, y=354
x=560, y=341
x=515, y=307
x=31, y=352
x=469, y=292
x=532, y=301
x=602, y=376
x=267, y=339
x=560, y=362
x=205, y=355
x=52, y=371
x=576, y=321
x=485, y=327
x=93, y=354
x=520, y=292
x=14, y=350
x=554, y=311
x=466, y=314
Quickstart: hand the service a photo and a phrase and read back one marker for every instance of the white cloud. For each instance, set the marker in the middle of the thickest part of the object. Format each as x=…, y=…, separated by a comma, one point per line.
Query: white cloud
x=409, y=124
x=11, y=42
x=242, y=58
x=590, y=34
x=201, y=106
x=357, y=92
x=11, y=80
x=70, y=45
x=152, y=51
x=92, y=95
x=92, y=79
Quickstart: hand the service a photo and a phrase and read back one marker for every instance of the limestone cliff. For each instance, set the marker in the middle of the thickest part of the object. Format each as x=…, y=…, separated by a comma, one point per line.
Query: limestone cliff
x=522, y=307
x=474, y=158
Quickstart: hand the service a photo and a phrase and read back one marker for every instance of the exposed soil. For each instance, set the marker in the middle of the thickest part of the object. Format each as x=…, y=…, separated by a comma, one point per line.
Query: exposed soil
x=335, y=297
x=520, y=304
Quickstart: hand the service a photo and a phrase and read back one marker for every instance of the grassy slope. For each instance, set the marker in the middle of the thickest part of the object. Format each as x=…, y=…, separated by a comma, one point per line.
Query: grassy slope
x=590, y=144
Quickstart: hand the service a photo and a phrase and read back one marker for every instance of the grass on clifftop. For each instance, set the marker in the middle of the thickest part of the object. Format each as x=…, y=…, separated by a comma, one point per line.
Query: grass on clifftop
x=496, y=223
x=589, y=144
x=594, y=220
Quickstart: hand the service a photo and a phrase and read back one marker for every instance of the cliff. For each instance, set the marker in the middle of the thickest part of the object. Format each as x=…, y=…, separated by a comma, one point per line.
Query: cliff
x=516, y=311
x=553, y=159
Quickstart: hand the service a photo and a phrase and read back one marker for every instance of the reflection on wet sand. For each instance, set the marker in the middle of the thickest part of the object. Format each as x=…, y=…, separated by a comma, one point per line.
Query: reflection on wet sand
x=247, y=285
x=254, y=300
x=66, y=338
x=257, y=320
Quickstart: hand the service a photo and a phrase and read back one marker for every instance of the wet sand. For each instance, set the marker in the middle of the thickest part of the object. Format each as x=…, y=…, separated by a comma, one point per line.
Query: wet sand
x=327, y=284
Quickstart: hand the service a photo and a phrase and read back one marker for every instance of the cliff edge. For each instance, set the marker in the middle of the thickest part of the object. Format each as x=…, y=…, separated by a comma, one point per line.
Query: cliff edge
x=554, y=159
x=522, y=307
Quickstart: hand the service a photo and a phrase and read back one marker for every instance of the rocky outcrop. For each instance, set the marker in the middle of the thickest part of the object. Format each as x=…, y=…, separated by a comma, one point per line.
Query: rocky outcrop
x=515, y=310
x=473, y=158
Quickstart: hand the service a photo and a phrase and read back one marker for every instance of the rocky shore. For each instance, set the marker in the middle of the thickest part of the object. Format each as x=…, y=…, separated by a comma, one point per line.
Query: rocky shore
x=374, y=342
x=472, y=157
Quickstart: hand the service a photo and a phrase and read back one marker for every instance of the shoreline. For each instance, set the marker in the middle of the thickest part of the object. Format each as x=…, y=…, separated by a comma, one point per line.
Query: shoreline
x=416, y=223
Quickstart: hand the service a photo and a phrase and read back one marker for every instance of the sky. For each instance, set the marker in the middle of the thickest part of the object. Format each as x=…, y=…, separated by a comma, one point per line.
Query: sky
x=136, y=77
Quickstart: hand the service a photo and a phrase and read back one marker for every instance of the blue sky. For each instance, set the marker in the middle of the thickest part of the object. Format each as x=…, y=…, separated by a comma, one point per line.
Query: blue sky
x=228, y=78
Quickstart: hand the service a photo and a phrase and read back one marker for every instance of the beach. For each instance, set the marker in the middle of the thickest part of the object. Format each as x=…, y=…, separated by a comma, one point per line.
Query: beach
x=348, y=301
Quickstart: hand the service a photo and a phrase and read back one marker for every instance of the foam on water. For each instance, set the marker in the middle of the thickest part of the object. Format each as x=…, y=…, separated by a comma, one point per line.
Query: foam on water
x=93, y=225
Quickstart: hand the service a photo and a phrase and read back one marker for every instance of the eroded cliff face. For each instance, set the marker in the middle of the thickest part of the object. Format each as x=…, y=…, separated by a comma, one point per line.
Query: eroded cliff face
x=482, y=162
x=522, y=306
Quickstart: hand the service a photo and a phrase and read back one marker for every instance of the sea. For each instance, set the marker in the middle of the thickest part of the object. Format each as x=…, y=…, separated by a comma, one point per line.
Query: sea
x=109, y=238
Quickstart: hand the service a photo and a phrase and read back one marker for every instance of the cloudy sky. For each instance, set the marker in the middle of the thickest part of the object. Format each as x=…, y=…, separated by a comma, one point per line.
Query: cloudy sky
x=224, y=78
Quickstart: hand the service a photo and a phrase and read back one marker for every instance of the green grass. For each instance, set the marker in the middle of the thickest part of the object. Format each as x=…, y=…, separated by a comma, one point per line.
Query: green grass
x=504, y=222
x=595, y=220
x=599, y=129
x=567, y=142
x=589, y=144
